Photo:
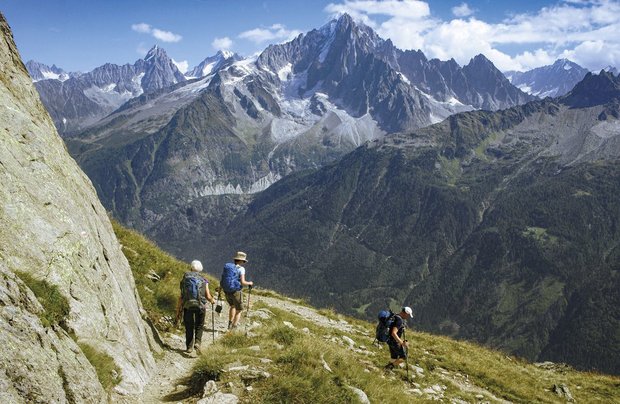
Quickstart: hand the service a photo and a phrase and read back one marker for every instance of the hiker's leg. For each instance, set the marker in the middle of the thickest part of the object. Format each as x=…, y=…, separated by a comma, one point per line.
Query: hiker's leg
x=231, y=310
x=238, y=305
x=188, y=320
x=395, y=353
x=200, y=321
x=237, y=318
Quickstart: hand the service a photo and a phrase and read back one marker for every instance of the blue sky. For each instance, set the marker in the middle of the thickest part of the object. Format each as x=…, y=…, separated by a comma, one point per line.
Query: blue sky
x=79, y=35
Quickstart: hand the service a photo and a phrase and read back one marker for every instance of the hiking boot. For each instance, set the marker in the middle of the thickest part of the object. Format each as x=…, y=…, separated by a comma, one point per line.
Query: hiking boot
x=189, y=350
x=229, y=325
x=197, y=348
x=389, y=366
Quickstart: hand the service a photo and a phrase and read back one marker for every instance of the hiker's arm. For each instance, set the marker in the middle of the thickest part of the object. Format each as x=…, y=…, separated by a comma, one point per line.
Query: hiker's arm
x=208, y=294
x=394, y=334
x=244, y=282
x=179, y=305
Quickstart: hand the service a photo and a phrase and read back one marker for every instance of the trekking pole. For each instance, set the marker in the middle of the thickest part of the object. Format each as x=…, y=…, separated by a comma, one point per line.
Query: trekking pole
x=406, y=356
x=213, y=322
x=247, y=313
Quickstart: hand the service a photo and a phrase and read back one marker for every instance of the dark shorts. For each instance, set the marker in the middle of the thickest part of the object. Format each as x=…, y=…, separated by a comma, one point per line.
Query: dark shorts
x=234, y=300
x=396, y=351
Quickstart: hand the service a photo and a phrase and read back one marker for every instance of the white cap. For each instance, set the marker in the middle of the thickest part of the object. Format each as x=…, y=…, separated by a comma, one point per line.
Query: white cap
x=408, y=311
x=196, y=266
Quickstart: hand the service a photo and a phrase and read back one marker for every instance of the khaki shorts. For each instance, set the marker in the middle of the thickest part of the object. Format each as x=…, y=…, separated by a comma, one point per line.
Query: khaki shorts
x=234, y=300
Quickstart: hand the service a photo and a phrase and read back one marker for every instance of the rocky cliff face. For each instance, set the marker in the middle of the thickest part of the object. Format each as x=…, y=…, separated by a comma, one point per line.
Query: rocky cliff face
x=53, y=227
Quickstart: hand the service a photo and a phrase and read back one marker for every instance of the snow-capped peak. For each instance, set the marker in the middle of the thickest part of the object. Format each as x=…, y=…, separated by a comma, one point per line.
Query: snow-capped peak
x=225, y=54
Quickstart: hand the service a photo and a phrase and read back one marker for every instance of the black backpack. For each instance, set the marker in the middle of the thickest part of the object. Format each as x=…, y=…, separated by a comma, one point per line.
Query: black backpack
x=193, y=290
x=386, y=319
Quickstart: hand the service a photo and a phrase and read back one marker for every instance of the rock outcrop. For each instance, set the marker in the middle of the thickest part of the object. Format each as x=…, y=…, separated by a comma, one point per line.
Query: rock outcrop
x=53, y=227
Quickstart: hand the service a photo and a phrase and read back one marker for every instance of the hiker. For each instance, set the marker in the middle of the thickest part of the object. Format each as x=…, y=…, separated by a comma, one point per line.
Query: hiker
x=396, y=343
x=233, y=280
x=193, y=299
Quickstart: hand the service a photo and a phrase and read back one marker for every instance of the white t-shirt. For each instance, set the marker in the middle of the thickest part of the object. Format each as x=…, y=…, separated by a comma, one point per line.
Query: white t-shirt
x=241, y=271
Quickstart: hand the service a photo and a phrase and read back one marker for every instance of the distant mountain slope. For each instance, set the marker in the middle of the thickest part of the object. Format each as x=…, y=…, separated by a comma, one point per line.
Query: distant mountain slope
x=549, y=81
x=39, y=71
x=499, y=227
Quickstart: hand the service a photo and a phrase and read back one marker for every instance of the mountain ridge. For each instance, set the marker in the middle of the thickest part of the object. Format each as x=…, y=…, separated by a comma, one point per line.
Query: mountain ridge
x=464, y=193
x=549, y=81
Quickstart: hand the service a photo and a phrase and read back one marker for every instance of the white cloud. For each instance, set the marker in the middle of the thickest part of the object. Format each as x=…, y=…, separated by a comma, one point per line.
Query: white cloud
x=585, y=31
x=141, y=28
x=224, y=43
x=462, y=10
x=183, y=65
x=164, y=36
x=409, y=9
x=275, y=33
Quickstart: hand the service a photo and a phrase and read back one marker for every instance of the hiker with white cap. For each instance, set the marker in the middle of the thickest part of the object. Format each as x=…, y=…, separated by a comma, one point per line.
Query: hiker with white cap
x=398, y=345
x=233, y=280
x=192, y=301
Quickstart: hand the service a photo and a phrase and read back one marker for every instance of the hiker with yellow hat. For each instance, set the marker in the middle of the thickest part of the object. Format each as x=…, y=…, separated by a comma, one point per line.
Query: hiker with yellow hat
x=232, y=281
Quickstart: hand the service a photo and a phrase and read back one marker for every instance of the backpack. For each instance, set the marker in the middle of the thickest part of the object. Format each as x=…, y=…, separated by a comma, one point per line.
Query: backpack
x=230, y=281
x=193, y=290
x=386, y=319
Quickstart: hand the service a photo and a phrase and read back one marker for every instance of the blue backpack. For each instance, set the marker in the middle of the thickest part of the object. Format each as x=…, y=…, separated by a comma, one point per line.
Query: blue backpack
x=231, y=279
x=386, y=319
x=193, y=291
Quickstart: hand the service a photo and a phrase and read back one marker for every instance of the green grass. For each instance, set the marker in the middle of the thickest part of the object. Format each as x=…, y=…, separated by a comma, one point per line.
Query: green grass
x=295, y=358
x=298, y=375
x=108, y=373
x=156, y=273
x=55, y=305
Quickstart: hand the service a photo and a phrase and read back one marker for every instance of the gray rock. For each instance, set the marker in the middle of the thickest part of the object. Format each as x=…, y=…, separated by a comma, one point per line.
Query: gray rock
x=39, y=364
x=53, y=226
x=361, y=396
x=219, y=398
x=563, y=391
x=210, y=388
x=348, y=341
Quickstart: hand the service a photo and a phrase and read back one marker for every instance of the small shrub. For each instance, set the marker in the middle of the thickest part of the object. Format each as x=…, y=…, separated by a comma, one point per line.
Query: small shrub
x=235, y=340
x=284, y=335
x=55, y=304
x=108, y=373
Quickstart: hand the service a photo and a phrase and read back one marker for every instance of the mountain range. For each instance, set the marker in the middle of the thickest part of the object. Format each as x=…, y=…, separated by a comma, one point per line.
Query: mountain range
x=298, y=105
x=495, y=226
x=549, y=81
x=78, y=100
x=386, y=178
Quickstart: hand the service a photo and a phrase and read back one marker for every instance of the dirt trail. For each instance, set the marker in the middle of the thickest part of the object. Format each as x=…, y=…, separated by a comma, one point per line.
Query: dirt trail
x=169, y=382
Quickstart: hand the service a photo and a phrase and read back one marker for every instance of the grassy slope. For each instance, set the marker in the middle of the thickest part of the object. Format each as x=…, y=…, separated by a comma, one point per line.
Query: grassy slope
x=296, y=367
